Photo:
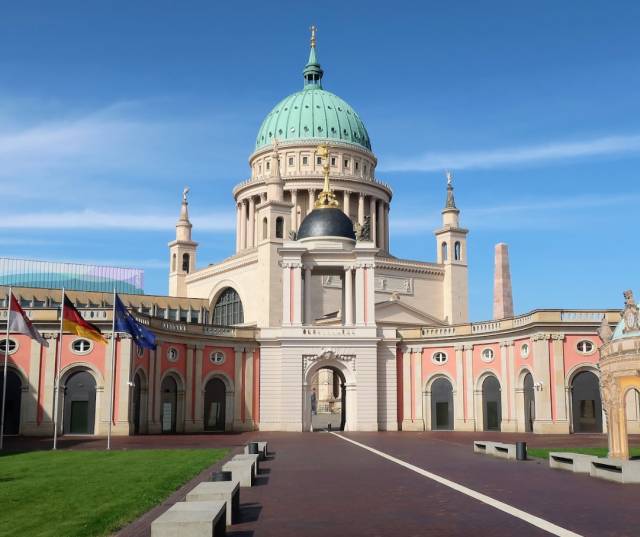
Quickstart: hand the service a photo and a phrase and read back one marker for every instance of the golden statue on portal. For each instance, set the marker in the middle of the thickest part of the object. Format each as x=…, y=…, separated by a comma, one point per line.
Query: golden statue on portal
x=326, y=198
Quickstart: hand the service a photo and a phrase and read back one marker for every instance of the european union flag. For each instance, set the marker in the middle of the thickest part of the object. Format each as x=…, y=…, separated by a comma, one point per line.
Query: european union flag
x=125, y=322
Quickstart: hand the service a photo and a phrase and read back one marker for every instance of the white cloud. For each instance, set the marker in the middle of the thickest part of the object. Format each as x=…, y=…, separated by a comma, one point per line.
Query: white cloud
x=505, y=157
x=526, y=214
x=90, y=219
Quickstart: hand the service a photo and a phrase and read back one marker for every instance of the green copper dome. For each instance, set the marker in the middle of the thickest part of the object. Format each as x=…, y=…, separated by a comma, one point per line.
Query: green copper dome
x=313, y=114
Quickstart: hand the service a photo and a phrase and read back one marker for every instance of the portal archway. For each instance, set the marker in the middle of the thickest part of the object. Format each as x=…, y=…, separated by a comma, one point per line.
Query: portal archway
x=441, y=405
x=12, y=402
x=346, y=386
x=79, y=403
x=586, y=404
x=215, y=405
x=529, y=402
x=491, y=405
x=328, y=398
x=169, y=404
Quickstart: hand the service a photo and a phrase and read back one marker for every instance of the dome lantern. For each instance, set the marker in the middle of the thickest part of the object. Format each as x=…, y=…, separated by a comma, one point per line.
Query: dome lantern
x=312, y=71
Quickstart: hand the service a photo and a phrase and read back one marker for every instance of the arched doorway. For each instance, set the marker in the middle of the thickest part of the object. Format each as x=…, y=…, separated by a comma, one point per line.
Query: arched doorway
x=168, y=404
x=137, y=403
x=586, y=405
x=12, y=402
x=491, y=407
x=214, y=405
x=441, y=405
x=529, y=403
x=328, y=399
x=79, y=403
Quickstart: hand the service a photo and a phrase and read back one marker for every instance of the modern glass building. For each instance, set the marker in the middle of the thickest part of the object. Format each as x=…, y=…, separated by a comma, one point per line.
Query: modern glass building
x=72, y=276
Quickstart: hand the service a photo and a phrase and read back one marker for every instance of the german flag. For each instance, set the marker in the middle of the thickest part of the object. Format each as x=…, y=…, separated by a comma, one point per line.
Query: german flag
x=73, y=322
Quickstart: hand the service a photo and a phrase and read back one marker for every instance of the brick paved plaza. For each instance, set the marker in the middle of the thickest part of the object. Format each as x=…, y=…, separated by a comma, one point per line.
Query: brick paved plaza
x=320, y=484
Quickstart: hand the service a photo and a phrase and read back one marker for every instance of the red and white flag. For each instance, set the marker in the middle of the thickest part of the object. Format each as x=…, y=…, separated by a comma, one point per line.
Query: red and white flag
x=21, y=324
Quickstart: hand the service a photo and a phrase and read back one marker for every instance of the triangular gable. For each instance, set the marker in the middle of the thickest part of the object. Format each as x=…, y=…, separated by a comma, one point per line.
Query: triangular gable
x=396, y=312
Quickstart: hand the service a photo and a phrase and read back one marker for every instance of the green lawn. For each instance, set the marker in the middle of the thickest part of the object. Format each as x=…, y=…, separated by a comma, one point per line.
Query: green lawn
x=543, y=453
x=87, y=493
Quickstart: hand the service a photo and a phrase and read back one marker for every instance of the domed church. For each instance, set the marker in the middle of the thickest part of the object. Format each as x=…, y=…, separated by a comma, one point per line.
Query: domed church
x=313, y=322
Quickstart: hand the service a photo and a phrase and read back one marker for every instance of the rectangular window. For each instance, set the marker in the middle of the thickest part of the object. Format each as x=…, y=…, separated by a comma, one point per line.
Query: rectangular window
x=319, y=160
x=356, y=166
x=333, y=161
x=268, y=165
x=346, y=163
x=173, y=314
x=305, y=161
x=290, y=161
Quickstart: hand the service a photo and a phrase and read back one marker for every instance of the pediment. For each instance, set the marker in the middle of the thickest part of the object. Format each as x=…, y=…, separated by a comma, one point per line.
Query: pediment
x=396, y=312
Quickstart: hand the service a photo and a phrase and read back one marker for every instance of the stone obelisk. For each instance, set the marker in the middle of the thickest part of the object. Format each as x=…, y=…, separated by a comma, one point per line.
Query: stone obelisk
x=502, y=294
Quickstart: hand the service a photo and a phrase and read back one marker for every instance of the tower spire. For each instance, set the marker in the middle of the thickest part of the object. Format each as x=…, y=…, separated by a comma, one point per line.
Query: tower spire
x=183, y=226
x=451, y=202
x=312, y=71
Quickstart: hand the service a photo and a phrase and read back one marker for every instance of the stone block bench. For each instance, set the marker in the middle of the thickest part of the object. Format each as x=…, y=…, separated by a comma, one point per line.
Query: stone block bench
x=241, y=470
x=219, y=491
x=262, y=448
x=497, y=449
x=621, y=471
x=573, y=462
x=255, y=460
x=192, y=519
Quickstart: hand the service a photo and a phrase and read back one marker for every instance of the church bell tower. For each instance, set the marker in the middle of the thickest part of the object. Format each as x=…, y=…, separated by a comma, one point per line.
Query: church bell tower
x=182, y=251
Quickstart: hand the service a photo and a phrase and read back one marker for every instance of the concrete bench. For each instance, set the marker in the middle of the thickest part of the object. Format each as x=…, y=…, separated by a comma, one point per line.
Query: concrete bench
x=262, y=448
x=255, y=459
x=218, y=491
x=241, y=471
x=192, y=519
x=572, y=462
x=497, y=449
x=621, y=471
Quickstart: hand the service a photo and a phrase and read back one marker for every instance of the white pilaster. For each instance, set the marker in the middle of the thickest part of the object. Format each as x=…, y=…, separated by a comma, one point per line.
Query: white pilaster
x=359, y=295
x=243, y=224
x=380, y=225
x=294, y=210
x=297, y=294
x=373, y=220
x=307, y=295
x=286, y=294
x=252, y=223
x=361, y=209
x=348, y=296
x=238, y=226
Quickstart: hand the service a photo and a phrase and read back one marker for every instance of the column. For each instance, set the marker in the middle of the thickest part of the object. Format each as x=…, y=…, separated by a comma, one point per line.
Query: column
x=386, y=226
x=359, y=295
x=294, y=210
x=458, y=395
x=373, y=219
x=248, y=389
x=369, y=295
x=348, y=297
x=406, y=388
x=542, y=377
x=508, y=421
x=189, y=395
x=345, y=201
x=312, y=199
x=417, y=389
x=243, y=225
x=151, y=392
x=252, y=223
x=558, y=378
x=238, y=226
x=237, y=394
x=286, y=294
x=297, y=294
x=468, y=387
x=306, y=299
x=361, y=209
x=380, y=223
x=198, y=415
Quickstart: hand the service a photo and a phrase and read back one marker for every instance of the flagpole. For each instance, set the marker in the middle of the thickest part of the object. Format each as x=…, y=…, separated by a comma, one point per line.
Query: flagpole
x=4, y=380
x=113, y=360
x=56, y=382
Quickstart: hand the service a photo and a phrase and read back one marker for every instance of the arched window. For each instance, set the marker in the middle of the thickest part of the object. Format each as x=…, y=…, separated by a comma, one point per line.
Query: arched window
x=456, y=251
x=444, y=251
x=173, y=263
x=265, y=228
x=228, y=309
x=185, y=263
x=279, y=227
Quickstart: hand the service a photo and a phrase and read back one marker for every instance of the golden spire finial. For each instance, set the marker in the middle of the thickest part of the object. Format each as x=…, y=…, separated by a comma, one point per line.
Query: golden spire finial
x=326, y=198
x=313, y=29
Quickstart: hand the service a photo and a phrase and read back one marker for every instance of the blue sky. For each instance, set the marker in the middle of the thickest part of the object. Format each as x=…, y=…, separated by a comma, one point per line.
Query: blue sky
x=108, y=109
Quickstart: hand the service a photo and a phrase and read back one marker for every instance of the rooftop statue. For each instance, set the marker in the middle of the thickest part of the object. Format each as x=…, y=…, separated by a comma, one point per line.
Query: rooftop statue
x=630, y=313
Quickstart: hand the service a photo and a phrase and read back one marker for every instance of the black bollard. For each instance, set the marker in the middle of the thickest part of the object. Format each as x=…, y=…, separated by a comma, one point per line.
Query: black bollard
x=221, y=476
x=329, y=427
x=521, y=451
